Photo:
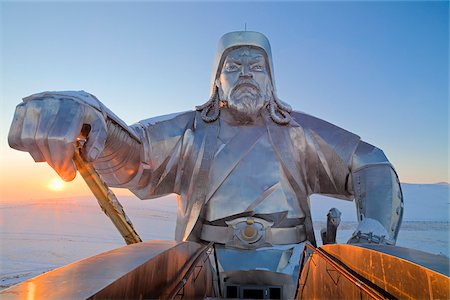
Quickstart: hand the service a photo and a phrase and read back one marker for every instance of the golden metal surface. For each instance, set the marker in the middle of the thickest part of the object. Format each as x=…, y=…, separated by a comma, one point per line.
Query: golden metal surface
x=106, y=199
x=341, y=271
x=148, y=270
x=249, y=231
x=398, y=276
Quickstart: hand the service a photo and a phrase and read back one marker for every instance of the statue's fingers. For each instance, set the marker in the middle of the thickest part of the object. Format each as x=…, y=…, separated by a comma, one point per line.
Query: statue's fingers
x=15, y=131
x=29, y=127
x=46, y=121
x=62, y=138
x=96, y=138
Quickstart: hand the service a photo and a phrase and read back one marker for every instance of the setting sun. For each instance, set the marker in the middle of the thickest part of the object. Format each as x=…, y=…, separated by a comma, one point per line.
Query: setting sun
x=56, y=184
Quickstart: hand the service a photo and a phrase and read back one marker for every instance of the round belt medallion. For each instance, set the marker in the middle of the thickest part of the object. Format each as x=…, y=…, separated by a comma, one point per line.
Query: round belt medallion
x=249, y=231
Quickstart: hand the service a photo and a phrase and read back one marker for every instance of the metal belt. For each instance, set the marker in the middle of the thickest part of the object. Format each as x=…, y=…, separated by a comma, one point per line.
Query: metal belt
x=268, y=235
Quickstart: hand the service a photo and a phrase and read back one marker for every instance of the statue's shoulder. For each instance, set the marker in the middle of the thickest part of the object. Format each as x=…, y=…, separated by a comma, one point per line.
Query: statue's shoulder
x=167, y=126
x=324, y=133
x=319, y=126
x=179, y=118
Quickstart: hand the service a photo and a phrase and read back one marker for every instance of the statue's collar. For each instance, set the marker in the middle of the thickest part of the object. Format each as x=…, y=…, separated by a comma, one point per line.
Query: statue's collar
x=233, y=118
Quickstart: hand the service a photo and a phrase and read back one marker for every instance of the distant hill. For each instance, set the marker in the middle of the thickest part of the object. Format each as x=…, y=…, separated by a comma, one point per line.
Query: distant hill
x=423, y=202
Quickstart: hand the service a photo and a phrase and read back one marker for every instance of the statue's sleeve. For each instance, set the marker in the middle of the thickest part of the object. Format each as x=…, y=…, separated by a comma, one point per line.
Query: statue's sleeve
x=326, y=156
x=165, y=140
x=339, y=164
x=378, y=196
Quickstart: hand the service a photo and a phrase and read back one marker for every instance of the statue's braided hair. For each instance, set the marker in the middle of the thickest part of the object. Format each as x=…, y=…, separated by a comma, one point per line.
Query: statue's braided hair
x=210, y=110
x=279, y=111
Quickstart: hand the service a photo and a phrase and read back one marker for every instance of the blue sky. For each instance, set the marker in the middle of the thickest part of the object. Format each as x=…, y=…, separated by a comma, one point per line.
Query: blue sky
x=378, y=69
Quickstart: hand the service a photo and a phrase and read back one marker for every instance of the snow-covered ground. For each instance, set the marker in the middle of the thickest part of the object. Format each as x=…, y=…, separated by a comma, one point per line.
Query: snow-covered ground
x=37, y=236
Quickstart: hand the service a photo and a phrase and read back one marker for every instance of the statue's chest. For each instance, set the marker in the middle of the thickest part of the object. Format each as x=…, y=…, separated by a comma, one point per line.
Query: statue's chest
x=246, y=175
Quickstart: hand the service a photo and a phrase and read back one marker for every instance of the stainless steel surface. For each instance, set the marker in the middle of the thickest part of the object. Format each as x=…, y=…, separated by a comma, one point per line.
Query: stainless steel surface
x=236, y=39
x=379, y=199
x=230, y=158
x=120, y=161
x=250, y=234
x=237, y=167
x=328, y=234
x=47, y=126
x=228, y=47
x=263, y=278
x=144, y=270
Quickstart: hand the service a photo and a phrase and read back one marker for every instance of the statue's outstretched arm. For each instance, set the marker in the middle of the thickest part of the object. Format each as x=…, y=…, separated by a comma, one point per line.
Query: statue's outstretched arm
x=378, y=196
x=48, y=124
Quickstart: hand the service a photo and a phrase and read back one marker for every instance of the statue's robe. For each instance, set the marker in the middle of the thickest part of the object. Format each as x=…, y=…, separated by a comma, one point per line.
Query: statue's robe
x=180, y=149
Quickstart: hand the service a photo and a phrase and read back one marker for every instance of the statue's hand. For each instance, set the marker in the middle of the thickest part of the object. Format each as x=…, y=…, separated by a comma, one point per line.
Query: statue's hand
x=48, y=126
x=370, y=231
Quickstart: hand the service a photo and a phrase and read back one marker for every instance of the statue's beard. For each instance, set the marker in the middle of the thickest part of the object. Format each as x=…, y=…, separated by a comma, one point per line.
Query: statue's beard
x=246, y=98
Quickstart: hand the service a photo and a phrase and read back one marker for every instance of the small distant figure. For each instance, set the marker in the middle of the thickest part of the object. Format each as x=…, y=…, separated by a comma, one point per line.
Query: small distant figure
x=328, y=234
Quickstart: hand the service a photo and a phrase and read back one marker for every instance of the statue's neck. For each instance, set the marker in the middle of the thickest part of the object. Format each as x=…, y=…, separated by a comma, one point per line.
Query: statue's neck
x=236, y=118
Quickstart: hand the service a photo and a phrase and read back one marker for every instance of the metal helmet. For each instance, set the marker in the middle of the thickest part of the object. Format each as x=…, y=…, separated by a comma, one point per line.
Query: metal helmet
x=232, y=40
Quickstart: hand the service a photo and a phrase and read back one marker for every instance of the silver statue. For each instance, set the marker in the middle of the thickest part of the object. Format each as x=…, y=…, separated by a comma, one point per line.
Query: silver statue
x=243, y=164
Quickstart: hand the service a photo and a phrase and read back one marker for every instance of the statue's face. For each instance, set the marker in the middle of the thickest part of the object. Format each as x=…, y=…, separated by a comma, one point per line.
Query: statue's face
x=244, y=81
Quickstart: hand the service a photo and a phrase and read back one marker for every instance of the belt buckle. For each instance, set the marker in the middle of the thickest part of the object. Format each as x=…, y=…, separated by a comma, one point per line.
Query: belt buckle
x=248, y=233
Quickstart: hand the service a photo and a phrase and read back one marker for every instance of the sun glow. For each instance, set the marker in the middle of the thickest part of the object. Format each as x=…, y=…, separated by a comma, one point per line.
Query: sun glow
x=56, y=184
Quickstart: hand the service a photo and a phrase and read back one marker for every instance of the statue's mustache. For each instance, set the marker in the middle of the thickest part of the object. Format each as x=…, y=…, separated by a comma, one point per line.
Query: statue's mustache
x=246, y=82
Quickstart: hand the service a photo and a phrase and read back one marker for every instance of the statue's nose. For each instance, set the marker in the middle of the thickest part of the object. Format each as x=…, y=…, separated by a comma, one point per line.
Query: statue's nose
x=245, y=71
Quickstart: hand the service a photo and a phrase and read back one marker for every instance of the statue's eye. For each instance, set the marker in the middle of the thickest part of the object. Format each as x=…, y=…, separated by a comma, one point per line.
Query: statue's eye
x=257, y=68
x=231, y=68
